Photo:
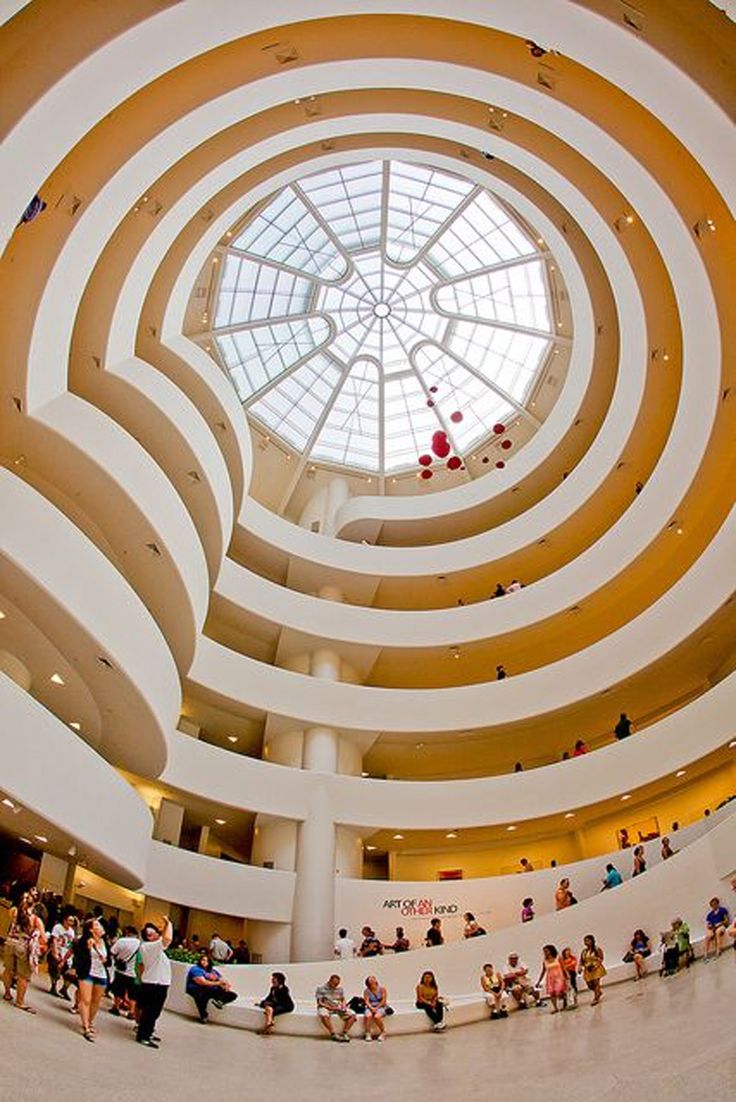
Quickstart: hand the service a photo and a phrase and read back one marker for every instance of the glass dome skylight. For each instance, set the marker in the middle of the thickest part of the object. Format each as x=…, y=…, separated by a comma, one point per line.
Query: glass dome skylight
x=364, y=305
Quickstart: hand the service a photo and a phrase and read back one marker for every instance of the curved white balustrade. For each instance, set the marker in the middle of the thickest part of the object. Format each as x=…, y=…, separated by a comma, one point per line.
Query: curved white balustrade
x=243, y=684
x=50, y=770
x=224, y=887
x=65, y=585
x=683, y=885
x=57, y=120
x=678, y=740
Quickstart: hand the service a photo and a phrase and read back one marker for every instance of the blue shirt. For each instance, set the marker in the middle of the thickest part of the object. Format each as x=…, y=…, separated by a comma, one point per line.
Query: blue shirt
x=613, y=878
x=717, y=918
x=195, y=972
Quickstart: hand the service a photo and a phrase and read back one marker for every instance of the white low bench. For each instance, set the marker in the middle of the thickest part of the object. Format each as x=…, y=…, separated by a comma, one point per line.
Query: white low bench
x=463, y=1009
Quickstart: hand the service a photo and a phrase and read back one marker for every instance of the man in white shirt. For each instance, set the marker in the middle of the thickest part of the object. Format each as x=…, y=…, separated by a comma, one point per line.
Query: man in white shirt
x=344, y=946
x=154, y=972
x=62, y=939
x=516, y=981
x=124, y=987
x=220, y=950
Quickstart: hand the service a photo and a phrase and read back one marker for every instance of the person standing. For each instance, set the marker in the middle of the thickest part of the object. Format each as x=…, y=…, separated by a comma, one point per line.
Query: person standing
x=640, y=863
x=527, y=909
x=592, y=967
x=624, y=727
x=563, y=895
x=667, y=850
x=433, y=935
x=91, y=959
x=344, y=946
x=220, y=951
x=612, y=879
x=22, y=951
x=154, y=971
x=60, y=946
x=555, y=977
x=124, y=987
x=569, y=962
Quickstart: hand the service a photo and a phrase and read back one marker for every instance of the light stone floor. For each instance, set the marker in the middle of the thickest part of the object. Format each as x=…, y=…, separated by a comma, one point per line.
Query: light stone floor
x=656, y=1041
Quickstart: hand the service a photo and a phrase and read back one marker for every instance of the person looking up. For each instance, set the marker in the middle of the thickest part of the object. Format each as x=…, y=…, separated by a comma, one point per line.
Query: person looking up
x=153, y=968
x=91, y=958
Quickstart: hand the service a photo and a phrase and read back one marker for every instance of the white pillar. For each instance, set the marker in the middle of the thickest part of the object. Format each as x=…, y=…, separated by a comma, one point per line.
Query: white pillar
x=314, y=895
x=169, y=819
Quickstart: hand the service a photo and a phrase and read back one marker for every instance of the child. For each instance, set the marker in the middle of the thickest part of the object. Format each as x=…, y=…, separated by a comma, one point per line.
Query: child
x=527, y=909
x=569, y=962
x=670, y=953
x=555, y=977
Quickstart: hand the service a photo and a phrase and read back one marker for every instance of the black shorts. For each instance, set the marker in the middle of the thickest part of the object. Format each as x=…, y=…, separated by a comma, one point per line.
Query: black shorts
x=124, y=986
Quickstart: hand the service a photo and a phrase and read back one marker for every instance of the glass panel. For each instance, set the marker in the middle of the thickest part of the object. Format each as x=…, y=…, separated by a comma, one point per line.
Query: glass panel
x=350, y=435
x=516, y=296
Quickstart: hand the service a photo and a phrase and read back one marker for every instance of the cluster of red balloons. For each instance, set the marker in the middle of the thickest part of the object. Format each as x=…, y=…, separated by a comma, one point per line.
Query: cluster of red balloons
x=440, y=446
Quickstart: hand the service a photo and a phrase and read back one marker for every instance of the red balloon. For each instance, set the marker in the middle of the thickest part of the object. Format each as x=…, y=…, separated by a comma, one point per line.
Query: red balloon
x=426, y=473
x=425, y=460
x=441, y=448
x=456, y=416
x=500, y=464
x=486, y=459
x=499, y=428
x=507, y=444
x=454, y=462
x=439, y=434
x=433, y=390
x=430, y=403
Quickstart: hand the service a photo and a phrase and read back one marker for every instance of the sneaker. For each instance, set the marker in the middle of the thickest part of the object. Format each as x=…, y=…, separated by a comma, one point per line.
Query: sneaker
x=88, y=1036
x=218, y=1004
x=155, y=1037
x=368, y=1037
x=494, y=1015
x=148, y=1042
x=503, y=1013
x=379, y=1037
x=336, y=1037
x=65, y=996
x=115, y=1012
x=344, y=1037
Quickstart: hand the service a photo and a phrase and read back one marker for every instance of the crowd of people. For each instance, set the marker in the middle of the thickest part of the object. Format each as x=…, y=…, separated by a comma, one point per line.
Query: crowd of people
x=88, y=957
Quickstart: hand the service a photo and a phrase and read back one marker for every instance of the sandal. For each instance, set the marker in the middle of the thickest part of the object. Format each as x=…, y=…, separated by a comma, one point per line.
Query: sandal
x=28, y=1009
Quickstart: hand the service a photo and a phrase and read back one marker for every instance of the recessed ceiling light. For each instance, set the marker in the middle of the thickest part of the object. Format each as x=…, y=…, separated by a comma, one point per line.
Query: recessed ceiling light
x=8, y=803
x=2, y=614
x=451, y=834
x=221, y=822
x=232, y=738
x=732, y=744
x=570, y=815
x=681, y=772
x=398, y=837
x=370, y=847
x=26, y=841
x=40, y=837
x=75, y=725
x=626, y=796
x=511, y=828
x=365, y=774
x=57, y=679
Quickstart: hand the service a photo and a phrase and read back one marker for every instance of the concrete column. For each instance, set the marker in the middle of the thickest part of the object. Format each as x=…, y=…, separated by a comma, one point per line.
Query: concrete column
x=314, y=896
x=204, y=839
x=169, y=819
x=16, y=670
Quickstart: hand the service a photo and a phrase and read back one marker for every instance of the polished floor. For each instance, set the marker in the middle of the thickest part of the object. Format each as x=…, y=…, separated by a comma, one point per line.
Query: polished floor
x=656, y=1041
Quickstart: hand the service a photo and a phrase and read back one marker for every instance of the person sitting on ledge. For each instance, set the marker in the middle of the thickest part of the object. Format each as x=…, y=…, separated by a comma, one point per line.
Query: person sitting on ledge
x=277, y=1001
x=204, y=984
x=375, y=998
x=433, y=935
x=401, y=943
x=612, y=879
x=472, y=927
x=639, y=949
x=428, y=1000
x=491, y=983
x=516, y=981
x=716, y=924
x=331, y=1004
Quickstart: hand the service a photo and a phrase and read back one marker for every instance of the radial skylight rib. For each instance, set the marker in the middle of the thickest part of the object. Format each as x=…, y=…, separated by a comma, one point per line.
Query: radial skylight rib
x=362, y=287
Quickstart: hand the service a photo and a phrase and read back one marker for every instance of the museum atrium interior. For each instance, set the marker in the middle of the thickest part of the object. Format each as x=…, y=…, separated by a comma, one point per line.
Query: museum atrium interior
x=367, y=416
